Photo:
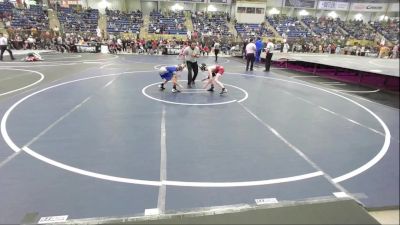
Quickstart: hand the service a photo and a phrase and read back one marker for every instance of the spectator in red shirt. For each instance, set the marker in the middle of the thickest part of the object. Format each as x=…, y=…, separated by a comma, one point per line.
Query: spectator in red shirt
x=206, y=49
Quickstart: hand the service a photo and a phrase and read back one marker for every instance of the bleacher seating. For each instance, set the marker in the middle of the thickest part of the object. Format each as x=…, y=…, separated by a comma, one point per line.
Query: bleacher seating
x=167, y=23
x=33, y=17
x=389, y=29
x=72, y=21
x=29, y=18
x=213, y=24
x=118, y=21
x=290, y=26
x=324, y=26
x=6, y=9
x=253, y=30
x=359, y=30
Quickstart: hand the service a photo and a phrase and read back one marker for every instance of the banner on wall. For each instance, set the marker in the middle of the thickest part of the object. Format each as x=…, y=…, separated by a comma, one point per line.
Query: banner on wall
x=310, y=4
x=220, y=1
x=368, y=7
x=330, y=5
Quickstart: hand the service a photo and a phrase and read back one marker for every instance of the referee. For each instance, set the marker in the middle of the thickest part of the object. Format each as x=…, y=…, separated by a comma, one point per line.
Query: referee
x=216, y=50
x=3, y=47
x=191, y=54
x=268, y=56
x=250, y=54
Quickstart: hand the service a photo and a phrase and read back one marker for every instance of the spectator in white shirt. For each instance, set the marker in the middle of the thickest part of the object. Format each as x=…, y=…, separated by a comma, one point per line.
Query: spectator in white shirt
x=3, y=47
x=31, y=42
x=250, y=54
x=286, y=48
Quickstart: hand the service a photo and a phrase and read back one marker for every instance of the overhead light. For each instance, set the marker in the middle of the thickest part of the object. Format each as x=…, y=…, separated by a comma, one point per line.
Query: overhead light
x=332, y=14
x=383, y=17
x=273, y=11
x=358, y=16
x=104, y=4
x=303, y=13
x=176, y=7
x=211, y=8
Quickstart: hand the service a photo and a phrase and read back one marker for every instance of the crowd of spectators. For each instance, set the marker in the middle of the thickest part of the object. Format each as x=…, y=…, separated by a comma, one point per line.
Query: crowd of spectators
x=389, y=29
x=288, y=27
x=74, y=21
x=247, y=31
x=324, y=27
x=6, y=9
x=28, y=27
x=118, y=21
x=48, y=40
x=358, y=29
x=34, y=16
x=143, y=46
x=24, y=18
x=169, y=22
x=211, y=24
x=159, y=46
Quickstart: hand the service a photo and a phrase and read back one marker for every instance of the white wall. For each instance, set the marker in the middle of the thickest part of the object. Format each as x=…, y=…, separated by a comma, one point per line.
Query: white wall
x=274, y=3
x=147, y=7
x=132, y=5
x=287, y=11
x=233, y=11
x=393, y=10
x=393, y=14
x=250, y=18
x=394, y=7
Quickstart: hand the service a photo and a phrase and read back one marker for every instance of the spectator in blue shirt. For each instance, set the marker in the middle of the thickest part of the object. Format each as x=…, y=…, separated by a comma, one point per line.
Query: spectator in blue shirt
x=259, y=46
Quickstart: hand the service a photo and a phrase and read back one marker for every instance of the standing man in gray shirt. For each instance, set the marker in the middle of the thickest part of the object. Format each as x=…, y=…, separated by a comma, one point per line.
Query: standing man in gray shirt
x=191, y=54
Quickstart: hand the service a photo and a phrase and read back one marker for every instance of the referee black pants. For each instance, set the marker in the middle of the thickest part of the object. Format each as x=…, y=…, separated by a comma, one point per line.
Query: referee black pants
x=3, y=48
x=192, y=66
x=268, y=61
x=250, y=58
x=216, y=51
